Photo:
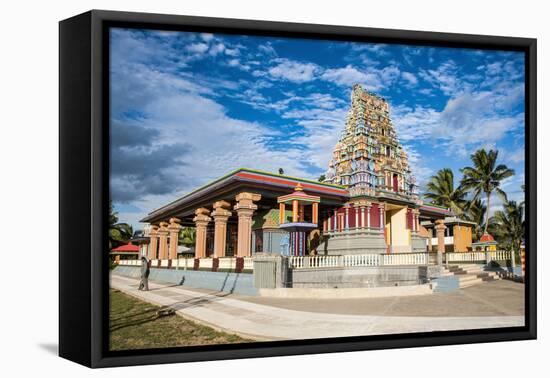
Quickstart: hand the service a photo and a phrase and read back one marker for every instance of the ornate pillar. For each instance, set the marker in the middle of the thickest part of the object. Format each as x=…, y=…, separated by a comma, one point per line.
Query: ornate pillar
x=163, y=241
x=369, y=206
x=294, y=211
x=346, y=221
x=341, y=222
x=220, y=214
x=174, y=230
x=329, y=221
x=315, y=212
x=300, y=213
x=153, y=242
x=245, y=207
x=282, y=217
x=440, y=232
x=336, y=228
x=357, y=211
x=382, y=209
x=415, y=225
x=201, y=222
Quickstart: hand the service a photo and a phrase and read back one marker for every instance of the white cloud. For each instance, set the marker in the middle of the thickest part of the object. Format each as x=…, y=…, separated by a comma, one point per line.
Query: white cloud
x=293, y=70
x=350, y=75
x=467, y=122
x=372, y=79
x=232, y=52
x=198, y=48
x=216, y=49
x=444, y=78
x=267, y=49
x=410, y=78
x=207, y=36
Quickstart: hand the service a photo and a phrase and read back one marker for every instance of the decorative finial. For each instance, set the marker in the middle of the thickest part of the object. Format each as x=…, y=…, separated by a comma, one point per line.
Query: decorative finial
x=299, y=188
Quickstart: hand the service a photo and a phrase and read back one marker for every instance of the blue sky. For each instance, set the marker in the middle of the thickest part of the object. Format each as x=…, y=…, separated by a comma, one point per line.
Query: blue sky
x=187, y=108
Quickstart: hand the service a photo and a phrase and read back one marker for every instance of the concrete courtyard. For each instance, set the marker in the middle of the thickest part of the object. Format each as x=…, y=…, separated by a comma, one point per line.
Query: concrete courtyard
x=487, y=305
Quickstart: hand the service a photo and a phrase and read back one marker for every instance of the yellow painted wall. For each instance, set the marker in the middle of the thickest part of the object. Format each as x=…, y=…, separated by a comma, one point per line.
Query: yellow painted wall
x=462, y=238
x=400, y=236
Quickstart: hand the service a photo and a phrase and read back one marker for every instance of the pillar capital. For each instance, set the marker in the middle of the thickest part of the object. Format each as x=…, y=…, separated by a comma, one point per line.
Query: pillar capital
x=174, y=225
x=221, y=205
x=440, y=225
x=245, y=201
x=153, y=231
x=202, y=216
x=221, y=211
x=246, y=197
x=163, y=231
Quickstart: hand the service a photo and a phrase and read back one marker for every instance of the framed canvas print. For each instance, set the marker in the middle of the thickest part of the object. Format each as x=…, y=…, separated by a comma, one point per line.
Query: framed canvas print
x=234, y=188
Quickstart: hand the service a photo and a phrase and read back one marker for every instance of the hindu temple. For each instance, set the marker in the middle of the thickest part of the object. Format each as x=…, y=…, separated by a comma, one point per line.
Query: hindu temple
x=367, y=203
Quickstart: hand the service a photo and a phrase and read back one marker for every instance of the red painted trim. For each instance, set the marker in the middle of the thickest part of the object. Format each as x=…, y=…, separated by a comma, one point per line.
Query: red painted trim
x=291, y=183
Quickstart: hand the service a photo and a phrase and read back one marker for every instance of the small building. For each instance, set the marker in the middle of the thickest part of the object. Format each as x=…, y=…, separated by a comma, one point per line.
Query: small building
x=125, y=252
x=485, y=243
x=458, y=234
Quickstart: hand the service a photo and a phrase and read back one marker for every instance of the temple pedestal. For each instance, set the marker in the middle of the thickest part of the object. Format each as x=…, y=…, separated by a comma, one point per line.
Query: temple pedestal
x=353, y=242
x=298, y=236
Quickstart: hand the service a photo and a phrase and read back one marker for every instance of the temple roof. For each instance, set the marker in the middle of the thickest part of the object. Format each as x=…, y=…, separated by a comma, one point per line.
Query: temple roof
x=271, y=183
x=486, y=238
x=126, y=248
x=299, y=196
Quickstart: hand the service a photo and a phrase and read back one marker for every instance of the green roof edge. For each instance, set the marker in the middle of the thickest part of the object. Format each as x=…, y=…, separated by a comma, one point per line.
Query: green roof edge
x=252, y=171
x=291, y=177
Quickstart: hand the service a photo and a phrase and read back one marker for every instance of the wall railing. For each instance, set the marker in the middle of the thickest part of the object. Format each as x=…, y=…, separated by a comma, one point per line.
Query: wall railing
x=392, y=259
x=224, y=263
x=329, y=261
x=372, y=259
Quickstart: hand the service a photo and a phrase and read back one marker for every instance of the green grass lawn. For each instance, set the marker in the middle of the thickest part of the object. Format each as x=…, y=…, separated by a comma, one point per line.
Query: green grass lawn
x=134, y=324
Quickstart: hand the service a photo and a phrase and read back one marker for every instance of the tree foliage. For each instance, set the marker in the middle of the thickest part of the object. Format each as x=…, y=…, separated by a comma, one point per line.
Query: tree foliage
x=508, y=225
x=485, y=177
x=442, y=191
x=187, y=236
x=119, y=233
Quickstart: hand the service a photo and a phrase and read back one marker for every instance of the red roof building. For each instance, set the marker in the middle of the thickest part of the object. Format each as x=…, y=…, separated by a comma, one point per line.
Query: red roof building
x=126, y=248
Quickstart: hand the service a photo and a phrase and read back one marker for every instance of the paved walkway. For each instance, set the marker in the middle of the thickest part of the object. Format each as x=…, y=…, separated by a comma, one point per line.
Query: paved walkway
x=260, y=321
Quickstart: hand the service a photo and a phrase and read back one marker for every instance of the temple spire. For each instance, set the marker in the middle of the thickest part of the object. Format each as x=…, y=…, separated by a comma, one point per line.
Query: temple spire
x=368, y=157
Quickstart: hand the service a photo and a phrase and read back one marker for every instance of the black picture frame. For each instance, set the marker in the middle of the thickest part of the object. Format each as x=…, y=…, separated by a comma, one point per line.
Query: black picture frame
x=84, y=191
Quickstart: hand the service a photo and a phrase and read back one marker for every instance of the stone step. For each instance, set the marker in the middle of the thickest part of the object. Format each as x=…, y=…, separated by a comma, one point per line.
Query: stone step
x=469, y=270
x=468, y=278
x=470, y=283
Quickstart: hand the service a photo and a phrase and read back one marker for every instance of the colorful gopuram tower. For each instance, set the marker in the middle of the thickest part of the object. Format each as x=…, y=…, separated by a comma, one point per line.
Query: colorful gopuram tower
x=368, y=157
x=382, y=213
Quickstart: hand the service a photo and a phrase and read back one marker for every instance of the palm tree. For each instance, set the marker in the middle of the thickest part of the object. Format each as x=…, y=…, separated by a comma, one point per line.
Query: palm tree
x=509, y=226
x=441, y=191
x=485, y=177
x=187, y=236
x=475, y=212
x=119, y=233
